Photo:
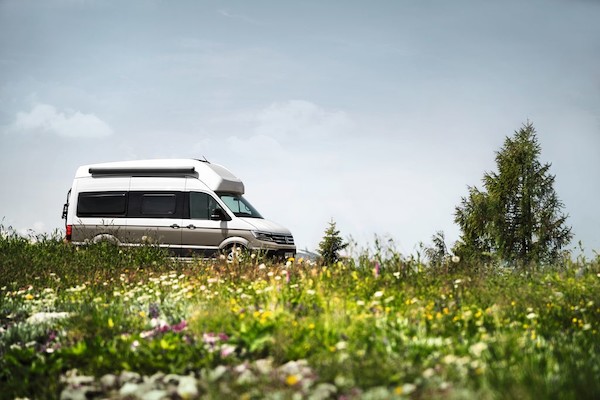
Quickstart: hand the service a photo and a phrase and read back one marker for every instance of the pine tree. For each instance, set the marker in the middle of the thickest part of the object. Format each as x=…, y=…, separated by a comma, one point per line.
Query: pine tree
x=518, y=217
x=331, y=245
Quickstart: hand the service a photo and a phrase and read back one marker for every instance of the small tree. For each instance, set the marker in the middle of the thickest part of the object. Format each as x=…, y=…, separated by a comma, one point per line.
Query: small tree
x=437, y=252
x=518, y=217
x=331, y=245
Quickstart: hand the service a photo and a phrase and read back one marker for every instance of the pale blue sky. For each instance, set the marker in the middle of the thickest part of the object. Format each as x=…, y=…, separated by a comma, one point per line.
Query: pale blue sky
x=376, y=114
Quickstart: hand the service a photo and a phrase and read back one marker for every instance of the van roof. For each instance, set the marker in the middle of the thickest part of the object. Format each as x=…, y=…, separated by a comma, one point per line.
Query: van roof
x=215, y=176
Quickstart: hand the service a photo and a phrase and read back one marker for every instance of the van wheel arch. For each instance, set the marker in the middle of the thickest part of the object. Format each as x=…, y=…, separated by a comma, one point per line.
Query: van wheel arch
x=106, y=238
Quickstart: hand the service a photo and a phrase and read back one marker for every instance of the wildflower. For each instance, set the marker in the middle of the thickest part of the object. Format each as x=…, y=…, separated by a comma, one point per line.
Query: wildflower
x=405, y=389
x=227, y=350
x=46, y=316
x=378, y=294
x=111, y=324
x=179, y=327
x=28, y=296
x=478, y=348
x=428, y=373
x=455, y=259
x=291, y=380
x=376, y=269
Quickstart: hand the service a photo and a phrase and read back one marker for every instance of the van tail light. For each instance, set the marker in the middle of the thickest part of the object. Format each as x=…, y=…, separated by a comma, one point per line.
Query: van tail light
x=69, y=233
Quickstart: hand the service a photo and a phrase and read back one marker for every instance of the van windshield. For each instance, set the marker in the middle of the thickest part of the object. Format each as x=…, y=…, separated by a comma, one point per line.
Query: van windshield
x=239, y=205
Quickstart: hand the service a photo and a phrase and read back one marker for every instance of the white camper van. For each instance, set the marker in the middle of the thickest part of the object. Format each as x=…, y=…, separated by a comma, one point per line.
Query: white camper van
x=192, y=207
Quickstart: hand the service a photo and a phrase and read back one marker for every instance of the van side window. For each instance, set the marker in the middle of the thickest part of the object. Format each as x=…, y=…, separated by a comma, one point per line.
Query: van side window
x=158, y=204
x=202, y=205
x=155, y=204
x=102, y=204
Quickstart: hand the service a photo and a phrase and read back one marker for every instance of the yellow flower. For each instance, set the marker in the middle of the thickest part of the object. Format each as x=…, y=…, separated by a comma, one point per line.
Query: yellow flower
x=291, y=380
x=28, y=296
x=111, y=324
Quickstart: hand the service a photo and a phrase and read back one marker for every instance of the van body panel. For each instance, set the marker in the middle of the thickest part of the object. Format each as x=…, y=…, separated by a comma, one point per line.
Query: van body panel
x=170, y=202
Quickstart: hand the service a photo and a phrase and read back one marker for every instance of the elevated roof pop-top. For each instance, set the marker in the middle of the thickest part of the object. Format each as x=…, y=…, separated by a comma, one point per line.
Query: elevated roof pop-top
x=215, y=176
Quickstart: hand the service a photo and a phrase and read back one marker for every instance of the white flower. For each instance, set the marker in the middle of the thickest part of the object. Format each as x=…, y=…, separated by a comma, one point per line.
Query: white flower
x=478, y=348
x=46, y=316
x=455, y=259
x=531, y=315
x=377, y=294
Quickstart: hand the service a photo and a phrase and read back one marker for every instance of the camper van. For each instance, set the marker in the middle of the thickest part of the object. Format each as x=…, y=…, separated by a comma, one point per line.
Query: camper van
x=191, y=207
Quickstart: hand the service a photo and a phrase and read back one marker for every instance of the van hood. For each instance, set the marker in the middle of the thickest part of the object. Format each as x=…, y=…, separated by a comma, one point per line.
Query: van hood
x=264, y=225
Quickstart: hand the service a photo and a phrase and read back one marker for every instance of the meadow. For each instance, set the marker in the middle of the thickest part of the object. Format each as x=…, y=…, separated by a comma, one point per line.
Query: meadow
x=108, y=322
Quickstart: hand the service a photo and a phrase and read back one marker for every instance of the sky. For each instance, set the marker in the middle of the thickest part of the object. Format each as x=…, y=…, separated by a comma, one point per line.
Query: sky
x=377, y=115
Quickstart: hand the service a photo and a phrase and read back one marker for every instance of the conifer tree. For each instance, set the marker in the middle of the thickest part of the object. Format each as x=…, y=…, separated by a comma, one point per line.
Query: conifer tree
x=331, y=245
x=518, y=216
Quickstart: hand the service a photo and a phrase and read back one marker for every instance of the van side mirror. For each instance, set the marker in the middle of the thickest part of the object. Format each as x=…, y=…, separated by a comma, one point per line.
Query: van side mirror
x=219, y=215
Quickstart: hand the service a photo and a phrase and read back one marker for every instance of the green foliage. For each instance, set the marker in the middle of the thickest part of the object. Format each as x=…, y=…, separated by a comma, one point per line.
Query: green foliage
x=299, y=329
x=331, y=245
x=518, y=217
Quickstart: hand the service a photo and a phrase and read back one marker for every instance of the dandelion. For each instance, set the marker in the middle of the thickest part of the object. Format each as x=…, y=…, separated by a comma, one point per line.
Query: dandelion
x=291, y=380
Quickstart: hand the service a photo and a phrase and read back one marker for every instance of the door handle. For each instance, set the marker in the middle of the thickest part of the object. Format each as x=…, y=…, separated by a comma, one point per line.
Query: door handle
x=190, y=226
x=175, y=226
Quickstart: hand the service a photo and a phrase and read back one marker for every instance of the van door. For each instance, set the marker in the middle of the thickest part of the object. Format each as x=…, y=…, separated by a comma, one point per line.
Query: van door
x=155, y=211
x=200, y=234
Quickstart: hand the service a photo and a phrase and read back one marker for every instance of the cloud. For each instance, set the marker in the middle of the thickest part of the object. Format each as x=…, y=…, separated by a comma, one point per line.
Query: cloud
x=241, y=17
x=300, y=118
x=71, y=124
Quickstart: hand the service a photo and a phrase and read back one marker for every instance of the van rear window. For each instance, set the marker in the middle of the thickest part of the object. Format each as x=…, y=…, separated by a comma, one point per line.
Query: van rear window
x=102, y=204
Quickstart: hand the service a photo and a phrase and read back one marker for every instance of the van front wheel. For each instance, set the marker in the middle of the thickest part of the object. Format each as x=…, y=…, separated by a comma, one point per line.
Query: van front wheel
x=234, y=253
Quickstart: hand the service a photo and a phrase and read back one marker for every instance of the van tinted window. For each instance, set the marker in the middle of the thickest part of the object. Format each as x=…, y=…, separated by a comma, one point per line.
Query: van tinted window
x=159, y=204
x=155, y=204
x=102, y=204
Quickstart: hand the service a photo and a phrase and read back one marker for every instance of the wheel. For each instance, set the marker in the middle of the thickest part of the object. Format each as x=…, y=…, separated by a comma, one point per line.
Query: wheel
x=234, y=252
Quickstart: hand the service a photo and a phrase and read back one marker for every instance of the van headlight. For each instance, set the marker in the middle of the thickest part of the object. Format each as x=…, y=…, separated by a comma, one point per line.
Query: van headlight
x=264, y=236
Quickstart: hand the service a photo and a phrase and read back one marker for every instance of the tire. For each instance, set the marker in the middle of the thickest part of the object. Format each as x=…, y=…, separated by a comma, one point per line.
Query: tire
x=234, y=252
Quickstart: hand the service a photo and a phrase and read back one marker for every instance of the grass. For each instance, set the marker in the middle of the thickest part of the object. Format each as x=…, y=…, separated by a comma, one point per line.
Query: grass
x=380, y=326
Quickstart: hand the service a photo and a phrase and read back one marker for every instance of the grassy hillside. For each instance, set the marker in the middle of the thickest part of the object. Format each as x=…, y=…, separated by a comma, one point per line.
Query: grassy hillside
x=132, y=323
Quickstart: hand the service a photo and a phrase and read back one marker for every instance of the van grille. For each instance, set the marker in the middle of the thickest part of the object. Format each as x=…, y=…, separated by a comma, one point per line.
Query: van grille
x=283, y=239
